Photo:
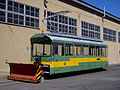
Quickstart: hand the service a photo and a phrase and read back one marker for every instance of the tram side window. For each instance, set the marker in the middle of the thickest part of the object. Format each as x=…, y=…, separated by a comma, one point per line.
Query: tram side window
x=103, y=51
x=69, y=49
x=58, y=49
x=46, y=49
x=77, y=50
x=37, y=49
x=92, y=50
x=85, y=50
x=98, y=50
x=41, y=49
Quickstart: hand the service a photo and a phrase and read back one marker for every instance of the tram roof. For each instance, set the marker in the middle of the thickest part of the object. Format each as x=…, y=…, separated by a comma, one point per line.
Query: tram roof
x=53, y=37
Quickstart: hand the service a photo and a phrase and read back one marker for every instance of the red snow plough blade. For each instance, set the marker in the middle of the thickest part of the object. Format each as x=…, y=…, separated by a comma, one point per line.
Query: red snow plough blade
x=25, y=72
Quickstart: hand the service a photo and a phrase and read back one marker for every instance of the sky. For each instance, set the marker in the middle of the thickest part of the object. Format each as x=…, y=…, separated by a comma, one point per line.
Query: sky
x=111, y=6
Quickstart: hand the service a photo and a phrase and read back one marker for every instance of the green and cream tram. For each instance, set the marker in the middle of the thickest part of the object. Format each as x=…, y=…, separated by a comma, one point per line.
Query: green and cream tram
x=60, y=53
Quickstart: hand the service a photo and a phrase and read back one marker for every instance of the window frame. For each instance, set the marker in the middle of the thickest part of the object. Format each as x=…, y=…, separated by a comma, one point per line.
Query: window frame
x=2, y=16
x=118, y=37
x=18, y=9
x=77, y=52
x=69, y=50
x=56, y=53
x=90, y=30
x=61, y=24
x=83, y=52
x=109, y=34
x=3, y=5
x=42, y=50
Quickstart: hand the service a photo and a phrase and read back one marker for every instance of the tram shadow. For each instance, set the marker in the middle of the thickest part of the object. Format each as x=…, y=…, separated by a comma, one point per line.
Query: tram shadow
x=69, y=74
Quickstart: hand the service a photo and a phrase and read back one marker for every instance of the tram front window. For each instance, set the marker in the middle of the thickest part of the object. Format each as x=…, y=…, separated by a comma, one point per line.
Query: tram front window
x=41, y=49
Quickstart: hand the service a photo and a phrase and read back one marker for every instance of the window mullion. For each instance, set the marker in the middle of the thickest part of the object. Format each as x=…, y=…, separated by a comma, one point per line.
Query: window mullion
x=24, y=15
x=6, y=13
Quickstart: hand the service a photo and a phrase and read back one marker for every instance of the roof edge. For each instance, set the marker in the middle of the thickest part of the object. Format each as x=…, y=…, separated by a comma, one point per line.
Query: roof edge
x=96, y=9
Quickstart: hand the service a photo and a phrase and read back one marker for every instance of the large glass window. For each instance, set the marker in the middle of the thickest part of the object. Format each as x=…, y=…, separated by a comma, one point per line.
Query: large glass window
x=2, y=4
x=118, y=37
x=19, y=14
x=61, y=24
x=41, y=50
x=21, y=20
x=31, y=22
x=2, y=16
x=15, y=7
x=90, y=30
x=109, y=35
x=32, y=11
x=10, y=18
x=15, y=18
x=10, y=5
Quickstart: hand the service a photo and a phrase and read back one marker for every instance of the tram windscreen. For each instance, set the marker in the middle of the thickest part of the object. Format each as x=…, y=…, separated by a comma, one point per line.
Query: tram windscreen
x=41, y=49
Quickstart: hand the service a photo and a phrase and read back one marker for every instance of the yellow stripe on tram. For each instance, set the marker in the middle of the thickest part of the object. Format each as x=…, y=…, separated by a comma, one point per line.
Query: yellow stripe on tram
x=75, y=61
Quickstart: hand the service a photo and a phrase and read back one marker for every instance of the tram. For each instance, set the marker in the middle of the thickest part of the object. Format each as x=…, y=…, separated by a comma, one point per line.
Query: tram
x=59, y=53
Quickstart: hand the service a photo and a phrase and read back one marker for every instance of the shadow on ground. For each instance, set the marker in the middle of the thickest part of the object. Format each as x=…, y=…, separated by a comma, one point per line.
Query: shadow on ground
x=68, y=74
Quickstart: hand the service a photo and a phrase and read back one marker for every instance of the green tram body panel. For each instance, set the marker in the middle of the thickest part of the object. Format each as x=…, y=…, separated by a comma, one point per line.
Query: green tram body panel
x=69, y=63
x=81, y=65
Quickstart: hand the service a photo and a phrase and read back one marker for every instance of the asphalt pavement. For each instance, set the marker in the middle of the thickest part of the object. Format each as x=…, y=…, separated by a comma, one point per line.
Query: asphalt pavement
x=84, y=80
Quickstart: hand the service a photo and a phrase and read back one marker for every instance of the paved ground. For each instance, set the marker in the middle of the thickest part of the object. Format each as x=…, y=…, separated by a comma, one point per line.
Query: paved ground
x=87, y=80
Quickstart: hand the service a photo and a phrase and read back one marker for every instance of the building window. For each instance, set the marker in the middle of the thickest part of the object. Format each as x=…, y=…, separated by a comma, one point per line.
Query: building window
x=21, y=20
x=90, y=30
x=10, y=18
x=119, y=37
x=15, y=7
x=32, y=11
x=2, y=4
x=32, y=22
x=2, y=16
x=61, y=24
x=109, y=35
x=15, y=19
x=19, y=14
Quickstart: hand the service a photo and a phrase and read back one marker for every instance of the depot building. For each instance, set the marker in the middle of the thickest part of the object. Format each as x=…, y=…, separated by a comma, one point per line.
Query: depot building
x=21, y=19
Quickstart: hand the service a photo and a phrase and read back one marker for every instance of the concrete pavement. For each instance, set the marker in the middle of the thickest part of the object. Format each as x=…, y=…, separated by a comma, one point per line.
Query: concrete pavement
x=85, y=80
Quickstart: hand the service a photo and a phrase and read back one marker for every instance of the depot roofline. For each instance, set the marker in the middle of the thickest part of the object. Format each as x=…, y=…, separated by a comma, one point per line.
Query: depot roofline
x=92, y=9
